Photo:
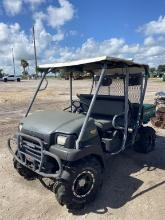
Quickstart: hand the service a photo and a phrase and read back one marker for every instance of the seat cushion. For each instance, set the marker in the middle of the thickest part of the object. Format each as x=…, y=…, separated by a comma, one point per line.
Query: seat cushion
x=103, y=124
x=104, y=105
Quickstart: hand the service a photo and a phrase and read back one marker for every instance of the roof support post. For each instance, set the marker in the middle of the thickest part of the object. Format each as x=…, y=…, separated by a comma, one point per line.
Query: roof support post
x=90, y=107
x=143, y=91
x=70, y=79
x=37, y=90
x=126, y=110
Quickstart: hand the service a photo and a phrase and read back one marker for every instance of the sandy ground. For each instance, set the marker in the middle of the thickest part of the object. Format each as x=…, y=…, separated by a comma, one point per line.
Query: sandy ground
x=134, y=186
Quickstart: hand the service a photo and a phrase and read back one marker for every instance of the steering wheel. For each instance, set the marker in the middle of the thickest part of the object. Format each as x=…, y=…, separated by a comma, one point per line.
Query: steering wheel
x=78, y=106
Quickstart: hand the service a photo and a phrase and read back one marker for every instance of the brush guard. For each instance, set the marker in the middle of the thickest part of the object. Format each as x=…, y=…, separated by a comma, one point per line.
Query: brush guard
x=31, y=154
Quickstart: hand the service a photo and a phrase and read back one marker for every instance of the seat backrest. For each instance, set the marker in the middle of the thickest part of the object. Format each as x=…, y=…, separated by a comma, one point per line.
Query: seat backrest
x=104, y=105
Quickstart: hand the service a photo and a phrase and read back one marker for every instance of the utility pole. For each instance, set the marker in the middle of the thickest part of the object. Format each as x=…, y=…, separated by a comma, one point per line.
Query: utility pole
x=35, y=52
x=13, y=60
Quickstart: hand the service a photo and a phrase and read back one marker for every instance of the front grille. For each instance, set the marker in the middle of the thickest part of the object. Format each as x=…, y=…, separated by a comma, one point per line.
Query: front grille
x=32, y=149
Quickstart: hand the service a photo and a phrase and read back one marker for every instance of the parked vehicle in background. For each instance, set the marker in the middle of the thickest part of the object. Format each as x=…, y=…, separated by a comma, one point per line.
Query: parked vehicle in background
x=154, y=74
x=157, y=74
x=163, y=76
x=11, y=78
x=160, y=74
x=75, y=76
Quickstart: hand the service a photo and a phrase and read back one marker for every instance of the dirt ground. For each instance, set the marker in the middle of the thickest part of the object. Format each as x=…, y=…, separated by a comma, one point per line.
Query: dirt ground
x=134, y=185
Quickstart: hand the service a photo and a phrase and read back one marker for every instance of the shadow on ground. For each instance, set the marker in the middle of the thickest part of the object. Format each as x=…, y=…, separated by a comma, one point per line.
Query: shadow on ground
x=119, y=186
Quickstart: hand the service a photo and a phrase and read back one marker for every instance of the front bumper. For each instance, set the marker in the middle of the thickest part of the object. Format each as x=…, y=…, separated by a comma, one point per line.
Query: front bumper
x=35, y=152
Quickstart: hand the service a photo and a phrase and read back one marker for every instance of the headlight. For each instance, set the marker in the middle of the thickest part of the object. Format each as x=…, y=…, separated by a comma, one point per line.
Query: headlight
x=20, y=127
x=61, y=140
x=68, y=141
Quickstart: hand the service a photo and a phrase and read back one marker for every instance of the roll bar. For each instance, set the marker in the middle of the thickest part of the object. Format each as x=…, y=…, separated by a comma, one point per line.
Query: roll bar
x=84, y=126
x=90, y=107
x=36, y=92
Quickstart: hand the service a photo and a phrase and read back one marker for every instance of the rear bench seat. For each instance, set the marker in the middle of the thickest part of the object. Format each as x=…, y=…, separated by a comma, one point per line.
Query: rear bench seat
x=105, y=108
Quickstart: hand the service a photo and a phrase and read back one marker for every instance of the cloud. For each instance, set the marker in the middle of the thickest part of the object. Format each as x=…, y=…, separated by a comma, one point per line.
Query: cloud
x=149, y=41
x=13, y=37
x=59, y=36
x=72, y=33
x=43, y=38
x=49, y=49
x=154, y=27
x=12, y=7
x=4, y=33
x=91, y=48
x=58, y=16
x=34, y=3
x=142, y=53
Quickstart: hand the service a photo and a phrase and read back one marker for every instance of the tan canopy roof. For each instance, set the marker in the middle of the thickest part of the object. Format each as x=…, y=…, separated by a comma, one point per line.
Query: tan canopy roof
x=94, y=64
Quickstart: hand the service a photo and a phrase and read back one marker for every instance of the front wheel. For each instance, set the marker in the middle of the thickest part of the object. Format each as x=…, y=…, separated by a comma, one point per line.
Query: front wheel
x=79, y=185
x=24, y=171
x=146, y=140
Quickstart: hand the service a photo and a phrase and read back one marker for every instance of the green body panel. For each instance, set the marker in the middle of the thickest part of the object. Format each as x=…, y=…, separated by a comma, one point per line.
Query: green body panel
x=148, y=112
x=49, y=122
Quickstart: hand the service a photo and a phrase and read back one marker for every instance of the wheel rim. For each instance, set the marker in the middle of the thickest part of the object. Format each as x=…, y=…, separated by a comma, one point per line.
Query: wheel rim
x=83, y=184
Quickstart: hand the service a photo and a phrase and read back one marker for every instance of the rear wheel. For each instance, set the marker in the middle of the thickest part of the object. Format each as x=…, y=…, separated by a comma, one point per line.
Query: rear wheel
x=79, y=185
x=24, y=171
x=18, y=79
x=146, y=140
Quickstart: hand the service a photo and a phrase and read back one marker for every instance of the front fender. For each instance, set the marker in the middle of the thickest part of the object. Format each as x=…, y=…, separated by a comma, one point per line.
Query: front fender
x=74, y=154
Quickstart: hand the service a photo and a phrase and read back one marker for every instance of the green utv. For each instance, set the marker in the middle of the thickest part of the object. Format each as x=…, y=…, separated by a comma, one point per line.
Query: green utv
x=71, y=147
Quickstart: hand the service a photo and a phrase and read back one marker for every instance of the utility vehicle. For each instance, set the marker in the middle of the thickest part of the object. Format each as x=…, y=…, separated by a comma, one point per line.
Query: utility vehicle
x=71, y=147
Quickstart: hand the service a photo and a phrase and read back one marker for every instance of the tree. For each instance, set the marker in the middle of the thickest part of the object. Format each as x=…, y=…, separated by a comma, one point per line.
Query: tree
x=62, y=74
x=153, y=72
x=1, y=73
x=152, y=69
x=24, y=65
x=161, y=68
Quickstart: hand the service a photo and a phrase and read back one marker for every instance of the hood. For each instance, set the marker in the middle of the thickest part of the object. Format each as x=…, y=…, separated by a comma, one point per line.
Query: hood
x=48, y=122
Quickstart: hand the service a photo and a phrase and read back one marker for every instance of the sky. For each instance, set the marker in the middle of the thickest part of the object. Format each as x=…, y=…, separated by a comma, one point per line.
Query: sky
x=77, y=29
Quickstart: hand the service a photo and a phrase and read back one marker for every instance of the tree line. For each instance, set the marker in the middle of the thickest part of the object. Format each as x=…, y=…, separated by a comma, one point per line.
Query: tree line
x=160, y=68
x=24, y=64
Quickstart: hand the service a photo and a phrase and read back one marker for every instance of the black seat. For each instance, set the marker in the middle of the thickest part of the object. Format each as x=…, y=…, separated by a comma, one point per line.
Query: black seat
x=103, y=124
x=105, y=108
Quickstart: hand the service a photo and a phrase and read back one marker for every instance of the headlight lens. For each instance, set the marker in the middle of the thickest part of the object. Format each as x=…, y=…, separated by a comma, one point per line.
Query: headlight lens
x=61, y=140
x=20, y=127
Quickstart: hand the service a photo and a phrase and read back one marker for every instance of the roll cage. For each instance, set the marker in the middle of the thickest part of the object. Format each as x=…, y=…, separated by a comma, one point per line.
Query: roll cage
x=101, y=66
